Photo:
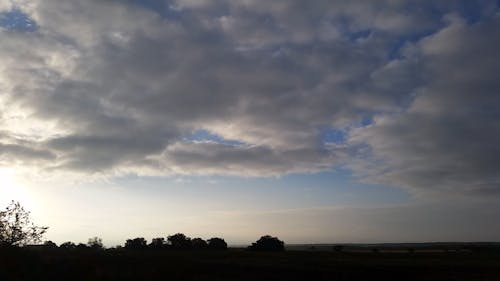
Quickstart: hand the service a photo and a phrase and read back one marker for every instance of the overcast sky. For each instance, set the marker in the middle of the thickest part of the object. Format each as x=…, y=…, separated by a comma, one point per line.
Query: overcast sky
x=317, y=121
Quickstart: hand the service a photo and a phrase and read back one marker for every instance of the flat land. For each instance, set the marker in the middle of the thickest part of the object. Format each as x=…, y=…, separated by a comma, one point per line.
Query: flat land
x=239, y=264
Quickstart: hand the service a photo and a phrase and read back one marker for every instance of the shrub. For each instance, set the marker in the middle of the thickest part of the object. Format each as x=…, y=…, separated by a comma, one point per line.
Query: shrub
x=217, y=243
x=136, y=244
x=268, y=243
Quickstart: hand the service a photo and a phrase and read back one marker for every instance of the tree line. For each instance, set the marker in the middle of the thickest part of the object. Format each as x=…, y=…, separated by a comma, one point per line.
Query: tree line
x=17, y=229
x=177, y=241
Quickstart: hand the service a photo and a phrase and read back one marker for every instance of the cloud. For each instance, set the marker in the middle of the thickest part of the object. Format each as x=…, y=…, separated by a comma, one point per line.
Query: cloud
x=14, y=153
x=447, y=139
x=199, y=158
x=114, y=87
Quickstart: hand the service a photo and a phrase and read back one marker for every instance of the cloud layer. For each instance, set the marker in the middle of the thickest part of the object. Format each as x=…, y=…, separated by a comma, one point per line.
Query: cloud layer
x=114, y=87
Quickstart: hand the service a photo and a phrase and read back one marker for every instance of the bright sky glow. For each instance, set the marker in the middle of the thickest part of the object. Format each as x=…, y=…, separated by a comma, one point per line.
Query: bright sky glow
x=11, y=188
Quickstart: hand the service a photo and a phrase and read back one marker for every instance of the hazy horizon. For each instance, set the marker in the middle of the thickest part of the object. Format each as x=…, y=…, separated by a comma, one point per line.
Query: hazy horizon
x=313, y=121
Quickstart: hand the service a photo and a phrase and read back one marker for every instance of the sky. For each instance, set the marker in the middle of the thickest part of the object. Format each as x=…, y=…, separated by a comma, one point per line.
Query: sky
x=314, y=121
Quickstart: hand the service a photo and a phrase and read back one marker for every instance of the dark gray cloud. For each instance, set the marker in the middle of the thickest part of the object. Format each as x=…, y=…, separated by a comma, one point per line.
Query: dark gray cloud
x=199, y=158
x=112, y=86
x=23, y=154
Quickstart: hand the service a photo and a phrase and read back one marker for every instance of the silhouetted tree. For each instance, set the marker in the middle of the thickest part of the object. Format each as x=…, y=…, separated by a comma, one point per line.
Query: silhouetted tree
x=68, y=246
x=49, y=245
x=179, y=241
x=95, y=243
x=199, y=244
x=268, y=243
x=136, y=244
x=157, y=243
x=16, y=228
x=81, y=247
x=217, y=243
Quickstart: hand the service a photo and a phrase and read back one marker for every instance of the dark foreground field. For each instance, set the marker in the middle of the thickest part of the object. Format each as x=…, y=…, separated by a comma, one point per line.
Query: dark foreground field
x=238, y=264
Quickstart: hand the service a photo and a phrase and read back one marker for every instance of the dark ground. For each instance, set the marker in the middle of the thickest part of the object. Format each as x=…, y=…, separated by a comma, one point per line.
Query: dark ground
x=238, y=264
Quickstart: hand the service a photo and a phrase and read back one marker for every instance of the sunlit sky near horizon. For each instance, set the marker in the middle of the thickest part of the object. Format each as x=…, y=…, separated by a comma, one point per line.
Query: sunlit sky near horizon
x=314, y=121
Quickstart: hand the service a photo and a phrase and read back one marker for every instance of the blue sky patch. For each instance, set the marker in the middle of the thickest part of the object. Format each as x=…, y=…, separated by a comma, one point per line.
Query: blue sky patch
x=163, y=8
x=17, y=20
x=400, y=42
x=205, y=135
x=366, y=121
x=330, y=135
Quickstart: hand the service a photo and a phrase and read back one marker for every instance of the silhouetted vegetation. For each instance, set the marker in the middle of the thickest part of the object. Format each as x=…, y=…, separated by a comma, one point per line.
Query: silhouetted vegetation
x=217, y=244
x=268, y=243
x=199, y=244
x=49, y=245
x=16, y=227
x=136, y=244
x=157, y=243
x=68, y=245
x=179, y=241
x=81, y=246
x=95, y=243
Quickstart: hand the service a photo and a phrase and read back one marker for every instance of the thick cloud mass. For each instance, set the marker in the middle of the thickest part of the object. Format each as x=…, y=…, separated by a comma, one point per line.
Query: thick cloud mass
x=448, y=137
x=117, y=87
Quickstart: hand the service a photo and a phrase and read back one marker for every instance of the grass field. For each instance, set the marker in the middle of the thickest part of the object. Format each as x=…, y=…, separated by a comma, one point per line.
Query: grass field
x=238, y=264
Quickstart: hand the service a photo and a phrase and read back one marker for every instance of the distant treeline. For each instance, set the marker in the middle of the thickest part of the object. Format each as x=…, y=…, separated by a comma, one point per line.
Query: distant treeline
x=432, y=247
x=17, y=229
x=177, y=241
